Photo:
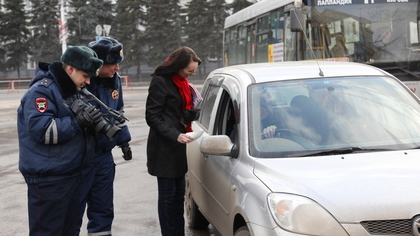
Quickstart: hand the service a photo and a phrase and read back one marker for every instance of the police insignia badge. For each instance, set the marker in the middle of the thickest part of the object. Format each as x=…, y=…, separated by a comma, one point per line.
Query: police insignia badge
x=41, y=104
x=115, y=94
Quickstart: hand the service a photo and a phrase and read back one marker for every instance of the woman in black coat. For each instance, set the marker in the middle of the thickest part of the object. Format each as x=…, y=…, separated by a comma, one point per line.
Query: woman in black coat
x=169, y=112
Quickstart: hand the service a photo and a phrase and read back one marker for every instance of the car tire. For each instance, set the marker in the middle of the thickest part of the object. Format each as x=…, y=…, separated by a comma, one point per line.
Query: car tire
x=195, y=218
x=243, y=231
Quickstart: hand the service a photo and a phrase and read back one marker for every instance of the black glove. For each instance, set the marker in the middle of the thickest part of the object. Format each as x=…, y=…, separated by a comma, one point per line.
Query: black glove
x=88, y=116
x=190, y=115
x=126, y=150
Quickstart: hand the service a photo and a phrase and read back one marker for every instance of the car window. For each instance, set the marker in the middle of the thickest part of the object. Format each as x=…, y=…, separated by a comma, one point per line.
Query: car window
x=322, y=114
x=207, y=105
x=225, y=118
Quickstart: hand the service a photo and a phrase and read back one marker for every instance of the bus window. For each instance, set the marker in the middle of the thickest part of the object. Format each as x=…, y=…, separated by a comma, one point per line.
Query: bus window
x=262, y=44
x=226, y=44
x=414, y=36
x=241, y=45
x=262, y=39
x=231, y=45
x=263, y=24
x=276, y=25
x=250, y=44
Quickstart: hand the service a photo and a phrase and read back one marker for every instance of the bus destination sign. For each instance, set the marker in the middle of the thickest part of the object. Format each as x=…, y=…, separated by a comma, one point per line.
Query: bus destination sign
x=352, y=2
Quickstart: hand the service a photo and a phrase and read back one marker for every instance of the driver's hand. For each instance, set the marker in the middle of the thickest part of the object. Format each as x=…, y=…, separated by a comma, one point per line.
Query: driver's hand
x=269, y=131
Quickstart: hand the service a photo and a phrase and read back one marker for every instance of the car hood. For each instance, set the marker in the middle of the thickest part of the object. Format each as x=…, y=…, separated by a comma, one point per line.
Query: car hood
x=353, y=187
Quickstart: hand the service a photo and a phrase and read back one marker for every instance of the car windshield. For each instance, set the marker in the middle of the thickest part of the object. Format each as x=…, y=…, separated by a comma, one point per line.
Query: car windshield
x=332, y=116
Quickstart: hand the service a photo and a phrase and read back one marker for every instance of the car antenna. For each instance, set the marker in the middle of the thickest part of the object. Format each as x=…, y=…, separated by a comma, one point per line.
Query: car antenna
x=299, y=19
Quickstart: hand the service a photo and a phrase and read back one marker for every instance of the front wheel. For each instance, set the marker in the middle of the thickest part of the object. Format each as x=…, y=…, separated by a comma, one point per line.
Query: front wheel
x=243, y=231
x=195, y=218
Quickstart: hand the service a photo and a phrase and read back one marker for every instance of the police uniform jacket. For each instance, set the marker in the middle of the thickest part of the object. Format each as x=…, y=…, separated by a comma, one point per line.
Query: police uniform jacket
x=166, y=157
x=109, y=91
x=52, y=145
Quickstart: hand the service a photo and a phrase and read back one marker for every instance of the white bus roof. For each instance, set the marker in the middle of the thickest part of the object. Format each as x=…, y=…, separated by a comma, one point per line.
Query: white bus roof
x=254, y=10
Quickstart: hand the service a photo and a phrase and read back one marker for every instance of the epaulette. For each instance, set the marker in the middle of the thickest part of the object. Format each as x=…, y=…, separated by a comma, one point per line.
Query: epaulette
x=45, y=82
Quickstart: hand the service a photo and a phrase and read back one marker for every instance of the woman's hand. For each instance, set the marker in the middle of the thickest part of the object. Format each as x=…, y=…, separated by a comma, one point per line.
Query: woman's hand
x=184, y=138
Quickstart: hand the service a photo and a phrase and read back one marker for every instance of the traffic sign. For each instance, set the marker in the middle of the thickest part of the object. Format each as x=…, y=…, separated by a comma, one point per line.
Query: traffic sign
x=107, y=28
x=98, y=30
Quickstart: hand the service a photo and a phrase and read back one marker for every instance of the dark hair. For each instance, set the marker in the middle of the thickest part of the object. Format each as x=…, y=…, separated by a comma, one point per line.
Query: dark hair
x=176, y=61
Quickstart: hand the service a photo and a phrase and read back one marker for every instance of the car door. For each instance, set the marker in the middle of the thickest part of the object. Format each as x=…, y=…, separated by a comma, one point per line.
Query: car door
x=213, y=172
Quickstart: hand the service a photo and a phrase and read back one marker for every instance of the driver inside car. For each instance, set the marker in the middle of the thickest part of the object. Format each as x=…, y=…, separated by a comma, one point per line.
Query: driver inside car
x=270, y=119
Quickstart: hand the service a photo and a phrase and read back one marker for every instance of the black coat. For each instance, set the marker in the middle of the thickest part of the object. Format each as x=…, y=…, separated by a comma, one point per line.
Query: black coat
x=166, y=157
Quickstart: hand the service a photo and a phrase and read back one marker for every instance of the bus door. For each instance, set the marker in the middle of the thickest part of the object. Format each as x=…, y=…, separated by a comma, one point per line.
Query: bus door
x=250, y=42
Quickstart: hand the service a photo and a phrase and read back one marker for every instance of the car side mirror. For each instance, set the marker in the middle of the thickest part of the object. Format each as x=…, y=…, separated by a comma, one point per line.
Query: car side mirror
x=220, y=145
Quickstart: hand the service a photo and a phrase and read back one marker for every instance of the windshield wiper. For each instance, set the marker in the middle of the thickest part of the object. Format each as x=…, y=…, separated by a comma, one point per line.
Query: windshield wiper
x=337, y=151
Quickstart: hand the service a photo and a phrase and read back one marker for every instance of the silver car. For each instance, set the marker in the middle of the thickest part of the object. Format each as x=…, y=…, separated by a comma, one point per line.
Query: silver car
x=305, y=148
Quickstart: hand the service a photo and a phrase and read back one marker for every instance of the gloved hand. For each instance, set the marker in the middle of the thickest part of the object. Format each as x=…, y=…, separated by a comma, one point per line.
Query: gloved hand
x=88, y=116
x=126, y=150
x=190, y=115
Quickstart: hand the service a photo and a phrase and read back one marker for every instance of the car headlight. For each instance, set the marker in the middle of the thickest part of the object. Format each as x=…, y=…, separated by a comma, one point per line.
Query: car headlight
x=302, y=215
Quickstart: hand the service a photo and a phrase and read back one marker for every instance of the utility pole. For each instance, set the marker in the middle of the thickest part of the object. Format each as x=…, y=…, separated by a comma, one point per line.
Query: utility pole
x=63, y=29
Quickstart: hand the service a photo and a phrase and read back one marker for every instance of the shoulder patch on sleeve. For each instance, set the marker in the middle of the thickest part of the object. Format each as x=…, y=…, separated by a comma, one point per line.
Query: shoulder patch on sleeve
x=45, y=82
x=41, y=104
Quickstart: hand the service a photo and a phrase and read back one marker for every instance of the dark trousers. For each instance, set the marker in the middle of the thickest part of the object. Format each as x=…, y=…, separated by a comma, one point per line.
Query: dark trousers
x=97, y=192
x=52, y=207
x=171, y=206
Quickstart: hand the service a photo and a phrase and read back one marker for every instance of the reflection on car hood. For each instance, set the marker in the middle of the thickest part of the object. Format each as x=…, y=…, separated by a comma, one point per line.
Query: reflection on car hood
x=353, y=187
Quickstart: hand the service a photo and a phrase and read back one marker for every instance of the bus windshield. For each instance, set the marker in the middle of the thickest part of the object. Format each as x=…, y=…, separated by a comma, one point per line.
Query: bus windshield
x=383, y=33
x=376, y=33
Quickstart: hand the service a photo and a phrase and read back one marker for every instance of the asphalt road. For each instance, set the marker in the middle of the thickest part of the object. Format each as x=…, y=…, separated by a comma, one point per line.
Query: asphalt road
x=135, y=190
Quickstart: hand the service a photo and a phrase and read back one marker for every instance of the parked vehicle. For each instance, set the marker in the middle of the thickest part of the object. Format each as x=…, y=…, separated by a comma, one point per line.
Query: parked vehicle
x=344, y=158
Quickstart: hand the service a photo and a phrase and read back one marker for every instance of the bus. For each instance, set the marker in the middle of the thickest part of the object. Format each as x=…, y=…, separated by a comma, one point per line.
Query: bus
x=382, y=33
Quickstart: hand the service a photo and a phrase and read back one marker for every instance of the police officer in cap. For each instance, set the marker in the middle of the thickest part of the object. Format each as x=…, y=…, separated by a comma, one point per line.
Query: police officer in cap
x=97, y=179
x=55, y=141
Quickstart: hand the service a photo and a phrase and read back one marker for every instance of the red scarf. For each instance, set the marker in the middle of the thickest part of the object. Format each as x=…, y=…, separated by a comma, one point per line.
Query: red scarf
x=185, y=92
